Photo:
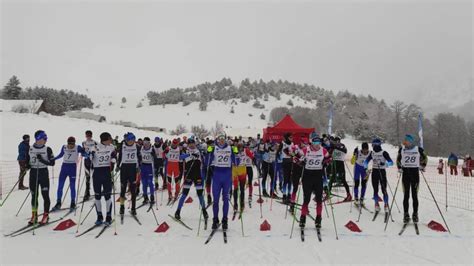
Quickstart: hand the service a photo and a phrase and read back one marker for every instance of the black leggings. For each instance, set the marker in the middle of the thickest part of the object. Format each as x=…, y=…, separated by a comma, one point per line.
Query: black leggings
x=158, y=167
x=268, y=169
x=250, y=179
x=338, y=173
x=287, y=167
x=42, y=175
x=312, y=182
x=87, y=171
x=295, y=177
x=410, y=179
x=128, y=175
x=379, y=176
x=102, y=183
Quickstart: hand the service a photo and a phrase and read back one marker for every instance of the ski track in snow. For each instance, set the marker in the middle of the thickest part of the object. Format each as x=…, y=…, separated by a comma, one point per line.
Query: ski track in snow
x=137, y=244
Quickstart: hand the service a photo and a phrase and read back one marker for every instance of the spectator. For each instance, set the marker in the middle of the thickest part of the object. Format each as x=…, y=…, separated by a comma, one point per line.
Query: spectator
x=23, y=149
x=440, y=166
x=453, y=164
x=467, y=166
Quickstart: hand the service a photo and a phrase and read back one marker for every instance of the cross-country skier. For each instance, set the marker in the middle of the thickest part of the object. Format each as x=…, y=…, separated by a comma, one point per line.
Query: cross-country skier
x=70, y=154
x=87, y=144
x=338, y=151
x=172, y=154
x=23, y=149
x=380, y=160
x=268, y=168
x=410, y=160
x=103, y=156
x=286, y=166
x=146, y=171
x=360, y=172
x=296, y=172
x=239, y=175
x=159, y=148
x=192, y=175
x=313, y=157
x=128, y=163
x=39, y=158
x=222, y=158
x=249, y=159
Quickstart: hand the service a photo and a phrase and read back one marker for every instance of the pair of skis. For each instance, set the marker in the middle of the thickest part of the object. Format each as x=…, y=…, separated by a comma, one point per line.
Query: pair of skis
x=318, y=233
x=30, y=227
x=405, y=225
x=224, y=232
x=104, y=227
x=122, y=216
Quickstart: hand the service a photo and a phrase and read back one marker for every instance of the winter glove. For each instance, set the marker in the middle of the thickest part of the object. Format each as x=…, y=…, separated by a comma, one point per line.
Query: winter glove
x=389, y=164
x=366, y=165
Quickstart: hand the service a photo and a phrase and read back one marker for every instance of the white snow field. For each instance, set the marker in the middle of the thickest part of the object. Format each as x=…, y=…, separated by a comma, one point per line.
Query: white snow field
x=135, y=244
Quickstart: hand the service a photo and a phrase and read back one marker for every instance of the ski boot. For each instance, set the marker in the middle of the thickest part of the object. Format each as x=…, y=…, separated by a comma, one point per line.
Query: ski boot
x=317, y=222
x=156, y=186
x=209, y=199
x=224, y=224
x=385, y=207
x=302, y=221
x=377, y=207
x=34, y=218
x=45, y=218
x=361, y=202
x=414, y=217
x=87, y=196
x=72, y=207
x=145, y=200
x=275, y=196
x=133, y=211
x=406, y=218
x=122, y=209
x=215, y=223
x=356, y=202
x=152, y=200
x=100, y=219
x=177, y=214
x=204, y=214
x=292, y=209
x=56, y=207
x=108, y=220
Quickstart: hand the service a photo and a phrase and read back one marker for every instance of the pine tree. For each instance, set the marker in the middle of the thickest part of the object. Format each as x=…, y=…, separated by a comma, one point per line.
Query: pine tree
x=12, y=90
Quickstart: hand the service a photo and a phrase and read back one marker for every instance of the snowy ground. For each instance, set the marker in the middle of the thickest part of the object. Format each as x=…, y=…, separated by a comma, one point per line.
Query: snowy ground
x=136, y=244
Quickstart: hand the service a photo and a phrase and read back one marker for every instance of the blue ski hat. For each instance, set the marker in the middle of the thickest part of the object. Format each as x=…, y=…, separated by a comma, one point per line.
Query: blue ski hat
x=376, y=141
x=409, y=138
x=315, y=139
x=157, y=139
x=40, y=134
x=130, y=136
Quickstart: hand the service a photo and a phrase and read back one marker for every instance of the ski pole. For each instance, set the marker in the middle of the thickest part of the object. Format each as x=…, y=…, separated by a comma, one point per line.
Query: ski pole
x=82, y=207
x=429, y=188
x=391, y=206
x=154, y=215
x=115, y=209
x=29, y=192
x=333, y=217
x=14, y=186
x=272, y=188
x=297, y=199
x=288, y=188
x=35, y=200
x=87, y=215
x=350, y=173
x=391, y=192
x=79, y=185
x=260, y=200
x=326, y=208
x=360, y=208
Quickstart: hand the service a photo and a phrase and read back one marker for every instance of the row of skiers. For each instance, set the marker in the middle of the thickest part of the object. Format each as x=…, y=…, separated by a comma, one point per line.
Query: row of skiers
x=218, y=164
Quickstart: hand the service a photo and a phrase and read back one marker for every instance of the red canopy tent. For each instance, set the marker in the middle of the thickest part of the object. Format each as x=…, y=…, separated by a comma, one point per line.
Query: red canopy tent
x=287, y=125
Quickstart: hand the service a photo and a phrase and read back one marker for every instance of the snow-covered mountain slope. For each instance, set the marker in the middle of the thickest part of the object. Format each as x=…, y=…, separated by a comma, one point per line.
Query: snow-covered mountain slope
x=58, y=129
x=245, y=119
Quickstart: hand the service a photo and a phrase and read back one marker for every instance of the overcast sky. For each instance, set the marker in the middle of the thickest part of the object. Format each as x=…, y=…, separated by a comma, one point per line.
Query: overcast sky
x=389, y=49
